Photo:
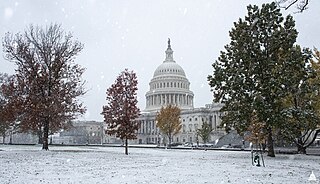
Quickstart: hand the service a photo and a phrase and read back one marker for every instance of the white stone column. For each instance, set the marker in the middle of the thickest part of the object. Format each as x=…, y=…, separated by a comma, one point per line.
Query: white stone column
x=172, y=98
x=167, y=100
x=150, y=102
x=153, y=100
x=188, y=99
x=182, y=98
x=163, y=99
x=158, y=99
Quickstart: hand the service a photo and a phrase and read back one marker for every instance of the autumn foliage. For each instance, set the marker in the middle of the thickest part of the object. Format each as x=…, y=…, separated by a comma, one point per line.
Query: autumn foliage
x=47, y=80
x=121, y=109
x=7, y=116
x=168, y=121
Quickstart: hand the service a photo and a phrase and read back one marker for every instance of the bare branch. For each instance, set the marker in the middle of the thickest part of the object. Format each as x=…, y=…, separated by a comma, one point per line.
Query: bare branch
x=301, y=5
x=292, y=3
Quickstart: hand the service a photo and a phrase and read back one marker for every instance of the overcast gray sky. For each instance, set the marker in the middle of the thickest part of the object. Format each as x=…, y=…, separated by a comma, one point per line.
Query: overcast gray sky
x=119, y=34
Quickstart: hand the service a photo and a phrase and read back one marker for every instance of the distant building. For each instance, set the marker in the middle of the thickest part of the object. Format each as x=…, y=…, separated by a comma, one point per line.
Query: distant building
x=81, y=133
x=14, y=137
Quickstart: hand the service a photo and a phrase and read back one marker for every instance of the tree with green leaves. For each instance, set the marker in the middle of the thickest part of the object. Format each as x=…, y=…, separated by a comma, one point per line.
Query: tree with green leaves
x=204, y=132
x=168, y=121
x=121, y=110
x=47, y=79
x=302, y=105
x=253, y=74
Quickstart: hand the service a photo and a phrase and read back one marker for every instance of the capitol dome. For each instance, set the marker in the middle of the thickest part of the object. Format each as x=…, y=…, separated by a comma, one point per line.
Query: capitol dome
x=169, y=68
x=169, y=85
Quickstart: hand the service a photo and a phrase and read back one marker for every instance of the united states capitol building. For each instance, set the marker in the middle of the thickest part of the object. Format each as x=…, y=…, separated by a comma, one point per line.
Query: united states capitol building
x=170, y=85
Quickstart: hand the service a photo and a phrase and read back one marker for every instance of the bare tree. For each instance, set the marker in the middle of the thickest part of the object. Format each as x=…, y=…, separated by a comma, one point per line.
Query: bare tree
x=121, y=109
x=301, y=5
x=48, y=81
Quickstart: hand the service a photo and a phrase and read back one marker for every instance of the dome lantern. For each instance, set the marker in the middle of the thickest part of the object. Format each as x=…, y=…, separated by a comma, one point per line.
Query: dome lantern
x=169, y=53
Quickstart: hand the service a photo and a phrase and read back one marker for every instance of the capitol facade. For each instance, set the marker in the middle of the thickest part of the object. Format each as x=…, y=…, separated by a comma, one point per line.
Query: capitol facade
x=170, y=85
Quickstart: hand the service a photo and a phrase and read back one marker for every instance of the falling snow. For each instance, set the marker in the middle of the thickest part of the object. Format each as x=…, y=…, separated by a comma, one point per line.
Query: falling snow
x=124, y=34
x=8, y=12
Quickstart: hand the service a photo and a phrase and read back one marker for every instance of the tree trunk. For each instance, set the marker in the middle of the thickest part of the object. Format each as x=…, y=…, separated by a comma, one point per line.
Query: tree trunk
x=301, y=149
x=45, y=135
x=10, y=137
x=270, y=143
x=169, y=144
x=40, y=138
x=3, y=138
x=126, y=146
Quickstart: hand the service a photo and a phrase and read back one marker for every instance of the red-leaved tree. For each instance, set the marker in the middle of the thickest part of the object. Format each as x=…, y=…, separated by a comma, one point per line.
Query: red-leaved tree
x=47, y=81
x=121, y=110
x=7, y=116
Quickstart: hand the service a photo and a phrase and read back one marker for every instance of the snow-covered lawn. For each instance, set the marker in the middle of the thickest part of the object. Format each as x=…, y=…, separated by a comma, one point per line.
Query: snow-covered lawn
x=69, y=164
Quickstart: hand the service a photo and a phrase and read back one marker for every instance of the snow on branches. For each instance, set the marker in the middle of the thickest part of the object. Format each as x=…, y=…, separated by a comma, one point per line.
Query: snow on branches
x=121, y=109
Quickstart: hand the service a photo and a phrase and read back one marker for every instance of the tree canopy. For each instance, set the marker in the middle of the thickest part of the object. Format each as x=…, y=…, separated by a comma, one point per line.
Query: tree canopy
x=7, y=116
x=121, y=109
x=168, y=121
x=48, y=81
x=204, y=132
x=260, y=66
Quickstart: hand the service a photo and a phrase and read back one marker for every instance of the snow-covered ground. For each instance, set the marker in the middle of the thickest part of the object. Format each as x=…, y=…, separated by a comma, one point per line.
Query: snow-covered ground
x=69, y=164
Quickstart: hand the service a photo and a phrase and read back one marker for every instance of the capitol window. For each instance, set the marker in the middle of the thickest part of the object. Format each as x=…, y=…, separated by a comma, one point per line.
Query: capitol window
x=190, y=127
